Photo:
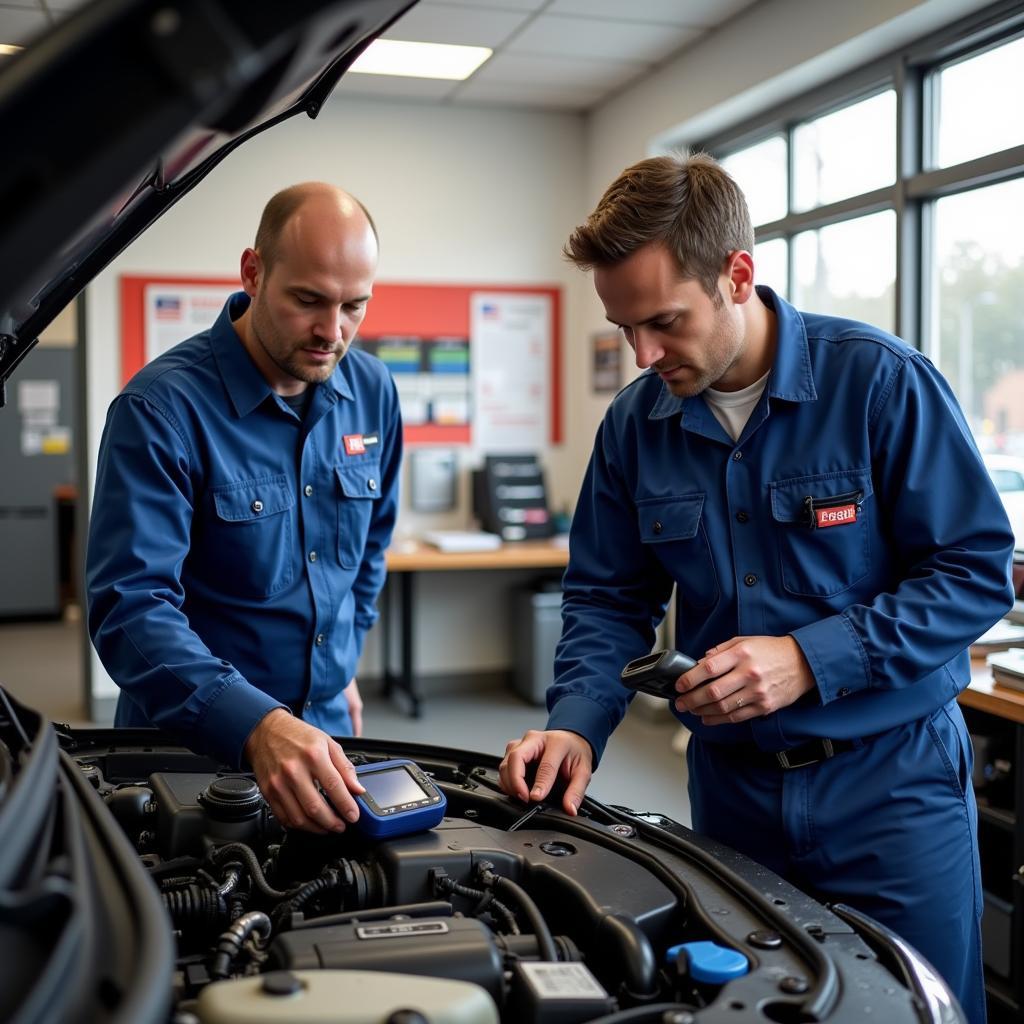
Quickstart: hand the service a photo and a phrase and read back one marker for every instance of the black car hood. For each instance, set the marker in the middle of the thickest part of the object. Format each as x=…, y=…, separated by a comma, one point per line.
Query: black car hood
x=125, y=107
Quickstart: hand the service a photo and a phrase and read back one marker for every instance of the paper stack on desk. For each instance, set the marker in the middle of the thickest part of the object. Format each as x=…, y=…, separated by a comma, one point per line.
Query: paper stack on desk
x=1008, y=667
x=462, y=540
x=1001, y=637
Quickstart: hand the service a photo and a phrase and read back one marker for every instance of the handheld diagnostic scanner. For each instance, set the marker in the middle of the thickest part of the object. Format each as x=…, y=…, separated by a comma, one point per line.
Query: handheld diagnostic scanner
x=400, y=798
x=657, y=673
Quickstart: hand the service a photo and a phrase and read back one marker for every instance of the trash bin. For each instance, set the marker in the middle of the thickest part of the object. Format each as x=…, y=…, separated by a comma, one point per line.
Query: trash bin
x=537, y=619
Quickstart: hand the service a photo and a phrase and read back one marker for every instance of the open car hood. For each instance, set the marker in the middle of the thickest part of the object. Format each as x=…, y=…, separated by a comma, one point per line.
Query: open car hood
x=127, y=105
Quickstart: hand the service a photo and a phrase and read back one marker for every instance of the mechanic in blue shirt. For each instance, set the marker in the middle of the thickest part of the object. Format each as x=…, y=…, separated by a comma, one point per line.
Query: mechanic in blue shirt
x=809, y=486
x=246, y=493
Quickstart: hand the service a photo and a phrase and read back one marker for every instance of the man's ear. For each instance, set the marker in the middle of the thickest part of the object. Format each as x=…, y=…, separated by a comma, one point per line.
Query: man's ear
x=251, y=272
x=739, y=274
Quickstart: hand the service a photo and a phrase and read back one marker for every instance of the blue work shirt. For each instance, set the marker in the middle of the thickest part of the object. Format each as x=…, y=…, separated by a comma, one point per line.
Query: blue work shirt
x=883, y=604
x=236, y=551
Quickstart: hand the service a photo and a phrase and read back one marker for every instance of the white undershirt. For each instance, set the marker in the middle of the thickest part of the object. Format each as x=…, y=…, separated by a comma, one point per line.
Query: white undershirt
x=733, y=408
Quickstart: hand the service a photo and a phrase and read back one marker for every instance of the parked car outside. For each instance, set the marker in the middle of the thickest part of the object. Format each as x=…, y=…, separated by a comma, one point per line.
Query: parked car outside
x=1007, y=472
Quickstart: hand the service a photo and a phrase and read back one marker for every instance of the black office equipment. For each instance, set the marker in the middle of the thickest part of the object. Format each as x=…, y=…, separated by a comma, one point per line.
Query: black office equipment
x=510, y=499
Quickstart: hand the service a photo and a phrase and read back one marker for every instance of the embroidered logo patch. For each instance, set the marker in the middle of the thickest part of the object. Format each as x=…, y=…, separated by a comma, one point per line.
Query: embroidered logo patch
x=838, y=516
x=355, y=444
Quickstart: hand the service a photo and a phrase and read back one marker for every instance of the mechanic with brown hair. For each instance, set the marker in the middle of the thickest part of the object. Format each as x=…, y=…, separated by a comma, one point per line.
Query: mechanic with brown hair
x=246, y=493
x=810, y=488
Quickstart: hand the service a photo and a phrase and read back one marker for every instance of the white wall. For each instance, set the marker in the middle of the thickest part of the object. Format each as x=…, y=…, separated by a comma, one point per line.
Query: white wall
x=461, y=195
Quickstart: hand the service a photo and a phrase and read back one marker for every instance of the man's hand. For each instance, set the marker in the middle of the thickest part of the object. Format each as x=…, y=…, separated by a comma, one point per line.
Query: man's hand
x=289, y=758
x=355, y=707
x=751, y=676
x=559, y=752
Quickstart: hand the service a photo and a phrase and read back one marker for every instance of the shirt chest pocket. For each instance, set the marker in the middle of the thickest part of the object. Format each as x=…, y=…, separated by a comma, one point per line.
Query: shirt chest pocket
x=822, y=524
x=673, y=529
x=358, y=492
x=249, y=543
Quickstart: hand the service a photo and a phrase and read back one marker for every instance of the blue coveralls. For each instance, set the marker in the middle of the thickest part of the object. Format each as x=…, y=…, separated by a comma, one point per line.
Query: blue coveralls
x=236, y=551
x=882, y=605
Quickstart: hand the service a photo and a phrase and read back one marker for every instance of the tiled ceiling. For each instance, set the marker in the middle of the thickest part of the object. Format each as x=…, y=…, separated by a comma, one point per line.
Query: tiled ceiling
x=558, y=54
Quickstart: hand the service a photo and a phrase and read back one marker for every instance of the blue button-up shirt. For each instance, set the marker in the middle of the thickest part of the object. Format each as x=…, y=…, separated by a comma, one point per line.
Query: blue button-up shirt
x=236, y=551
x=882, y=604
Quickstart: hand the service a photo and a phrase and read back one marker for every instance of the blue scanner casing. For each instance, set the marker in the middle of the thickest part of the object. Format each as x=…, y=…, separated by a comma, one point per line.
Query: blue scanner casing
x=400, y=798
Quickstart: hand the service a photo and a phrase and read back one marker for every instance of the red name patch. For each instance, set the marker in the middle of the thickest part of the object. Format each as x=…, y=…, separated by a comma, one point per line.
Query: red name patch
x=838, y=516
x=354, y=444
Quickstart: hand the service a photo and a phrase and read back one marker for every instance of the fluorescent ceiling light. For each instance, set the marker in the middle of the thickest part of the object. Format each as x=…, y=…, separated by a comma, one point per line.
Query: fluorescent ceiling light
x=420, y=60
x=8, y=48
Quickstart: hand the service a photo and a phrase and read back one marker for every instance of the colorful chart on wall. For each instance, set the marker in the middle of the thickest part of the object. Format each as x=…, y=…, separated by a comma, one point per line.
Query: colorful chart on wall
x=473, y=364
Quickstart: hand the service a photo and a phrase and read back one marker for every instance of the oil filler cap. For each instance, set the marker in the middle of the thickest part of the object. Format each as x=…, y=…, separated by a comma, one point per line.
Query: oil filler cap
x=232, y=798
x=708, y=962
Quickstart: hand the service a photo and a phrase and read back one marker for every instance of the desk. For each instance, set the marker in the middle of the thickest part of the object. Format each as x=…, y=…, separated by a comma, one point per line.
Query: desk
x=996, y=713
x=410, y=558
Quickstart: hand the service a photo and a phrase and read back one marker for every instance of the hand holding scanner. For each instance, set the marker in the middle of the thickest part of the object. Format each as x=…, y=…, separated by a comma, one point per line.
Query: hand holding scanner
x=657, y=673
x=400, y=798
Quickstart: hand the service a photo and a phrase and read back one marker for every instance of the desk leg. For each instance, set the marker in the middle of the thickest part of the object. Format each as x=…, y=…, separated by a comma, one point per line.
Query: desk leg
x=408, y=683
x=401, y=680
x=385, y=634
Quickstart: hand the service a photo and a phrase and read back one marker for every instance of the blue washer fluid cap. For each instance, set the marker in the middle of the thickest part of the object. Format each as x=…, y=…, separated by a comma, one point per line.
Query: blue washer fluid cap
x=710, y=962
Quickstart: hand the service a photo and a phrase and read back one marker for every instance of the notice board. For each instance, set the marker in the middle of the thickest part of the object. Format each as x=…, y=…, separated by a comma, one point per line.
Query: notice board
x=473, y=364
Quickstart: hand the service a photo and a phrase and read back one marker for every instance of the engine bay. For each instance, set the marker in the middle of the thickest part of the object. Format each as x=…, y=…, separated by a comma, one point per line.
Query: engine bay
x=495, y=914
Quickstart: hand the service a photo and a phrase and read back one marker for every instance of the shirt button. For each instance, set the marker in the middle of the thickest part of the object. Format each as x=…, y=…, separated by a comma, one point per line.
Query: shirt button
x=843, y=691
x=312, y=556
x=750, y=579
x=308, y=490
x=372, y=484
x=657, y=527
x=736, y=456
x=319, y=639
x=257, y=506
x=309, y=704
x=742, y=517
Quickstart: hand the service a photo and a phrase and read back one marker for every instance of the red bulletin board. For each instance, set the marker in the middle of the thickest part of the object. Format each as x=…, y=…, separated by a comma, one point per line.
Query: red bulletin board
x=420, y=310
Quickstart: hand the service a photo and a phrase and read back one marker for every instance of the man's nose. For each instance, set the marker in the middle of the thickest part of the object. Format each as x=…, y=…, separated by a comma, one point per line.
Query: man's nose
x=328, y=325
x=648, y=349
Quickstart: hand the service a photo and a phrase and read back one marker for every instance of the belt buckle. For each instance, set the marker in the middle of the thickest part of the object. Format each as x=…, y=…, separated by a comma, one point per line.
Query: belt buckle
x=785, y=763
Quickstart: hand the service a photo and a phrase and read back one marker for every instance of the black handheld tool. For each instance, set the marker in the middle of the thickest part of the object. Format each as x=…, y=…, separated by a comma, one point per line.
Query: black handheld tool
x=657, y=673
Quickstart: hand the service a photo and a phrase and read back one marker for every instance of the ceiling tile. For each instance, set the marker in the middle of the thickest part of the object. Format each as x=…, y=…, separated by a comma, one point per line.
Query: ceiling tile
x=557, y=71
x=590, y=37
x=18, y=26
x=445, y=23
x=698, y=13
x=427, y=89
x=527, y=94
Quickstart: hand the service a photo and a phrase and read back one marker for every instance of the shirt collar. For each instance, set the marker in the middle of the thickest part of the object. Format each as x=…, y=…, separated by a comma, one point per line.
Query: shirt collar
x=246, y=386
x=790, y=379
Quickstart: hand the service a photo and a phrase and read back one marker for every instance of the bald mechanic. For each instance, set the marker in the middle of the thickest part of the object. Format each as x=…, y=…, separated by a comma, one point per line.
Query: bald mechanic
x=245, y=496
x=810, y=488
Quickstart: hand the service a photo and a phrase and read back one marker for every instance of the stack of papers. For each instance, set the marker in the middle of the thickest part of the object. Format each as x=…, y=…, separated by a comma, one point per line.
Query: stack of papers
x=462, y=540
x=1001, y=637
x=1008, y=667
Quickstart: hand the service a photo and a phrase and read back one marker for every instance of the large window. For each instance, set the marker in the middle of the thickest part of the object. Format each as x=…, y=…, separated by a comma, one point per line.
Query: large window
x=896, y=196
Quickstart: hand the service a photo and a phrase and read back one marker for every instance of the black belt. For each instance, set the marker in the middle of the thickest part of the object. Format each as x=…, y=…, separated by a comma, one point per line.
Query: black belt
x=811, y=752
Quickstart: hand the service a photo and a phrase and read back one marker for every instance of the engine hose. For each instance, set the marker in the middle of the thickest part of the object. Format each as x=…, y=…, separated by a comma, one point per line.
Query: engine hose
x=493, y=905
x=519, y=896
x=229, y=945
x=195, y=905
x=232, y=877
x=239, y=851
x=330, y=879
